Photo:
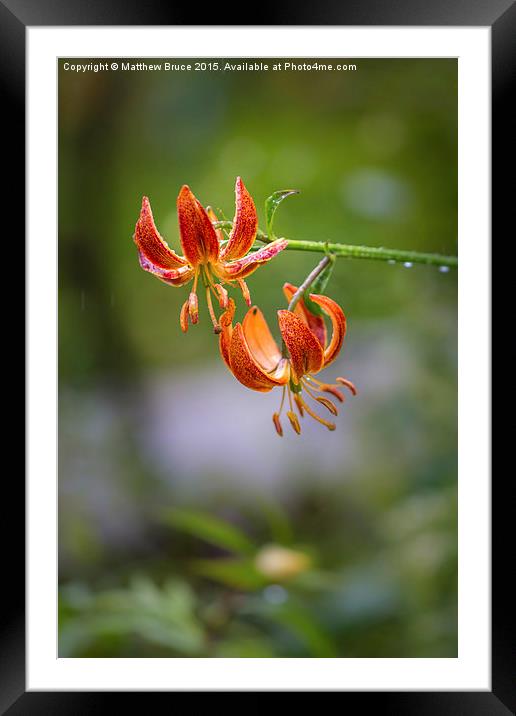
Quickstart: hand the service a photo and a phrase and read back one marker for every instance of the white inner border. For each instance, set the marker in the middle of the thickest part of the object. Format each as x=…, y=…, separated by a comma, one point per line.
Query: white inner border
x=471, y=670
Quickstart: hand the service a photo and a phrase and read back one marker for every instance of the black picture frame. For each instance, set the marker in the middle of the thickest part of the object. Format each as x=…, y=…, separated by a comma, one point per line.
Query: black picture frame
x=500, y=15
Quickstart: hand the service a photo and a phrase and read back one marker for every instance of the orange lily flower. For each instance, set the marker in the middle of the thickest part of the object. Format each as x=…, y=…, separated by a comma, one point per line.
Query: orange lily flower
x=205, y=254
x=254, y=358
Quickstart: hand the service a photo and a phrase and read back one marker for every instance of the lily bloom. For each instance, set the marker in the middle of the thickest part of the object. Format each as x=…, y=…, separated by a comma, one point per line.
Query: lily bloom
x=254, y=358
x=205, y=253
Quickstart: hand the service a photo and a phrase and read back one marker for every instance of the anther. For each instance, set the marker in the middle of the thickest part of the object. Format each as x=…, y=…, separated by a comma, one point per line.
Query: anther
x=330, y=426
x=222, y=295
x=299, y=404
x=348, y=384
x=183, y=317
x=193, y=307
x=277, y=424
x=334, y=391
x=245, y=290
x=294, y=422
x=328, y=405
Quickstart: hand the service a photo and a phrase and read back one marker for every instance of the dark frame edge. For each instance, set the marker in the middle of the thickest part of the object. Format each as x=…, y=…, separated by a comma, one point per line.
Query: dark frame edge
x=12, y=627
x=503, y=59
x=502, y=700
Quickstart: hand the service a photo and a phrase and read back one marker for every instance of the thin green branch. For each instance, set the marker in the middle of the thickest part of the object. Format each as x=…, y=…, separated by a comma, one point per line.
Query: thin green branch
x=350, y=251
x=308, y=282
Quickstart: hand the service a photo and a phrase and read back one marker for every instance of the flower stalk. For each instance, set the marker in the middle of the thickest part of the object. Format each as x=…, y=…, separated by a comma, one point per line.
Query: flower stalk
x=351, y=251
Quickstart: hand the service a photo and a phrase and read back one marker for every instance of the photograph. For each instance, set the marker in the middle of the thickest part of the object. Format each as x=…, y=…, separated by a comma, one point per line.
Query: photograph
x=257, y=357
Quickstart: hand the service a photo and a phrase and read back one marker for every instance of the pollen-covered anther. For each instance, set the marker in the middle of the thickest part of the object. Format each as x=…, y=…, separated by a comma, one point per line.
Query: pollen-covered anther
x=348, y=384
x=183, y=316
x=277, y=424
x=294, y=421
x=334, y=391
x=326, y=423
x=299, y=404
x=245, y=290
x=222, y=295
x=193, y=307
x=328, y=405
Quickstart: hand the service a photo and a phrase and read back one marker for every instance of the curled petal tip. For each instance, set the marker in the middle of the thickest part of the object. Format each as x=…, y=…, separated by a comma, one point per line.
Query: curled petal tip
x=338, y=321
x=245, y=224
x=198, y=237
x=151, y=244
x=241, y=268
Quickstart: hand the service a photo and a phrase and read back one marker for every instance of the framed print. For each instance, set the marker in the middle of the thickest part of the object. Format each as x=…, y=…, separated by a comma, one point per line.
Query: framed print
x=258, y=378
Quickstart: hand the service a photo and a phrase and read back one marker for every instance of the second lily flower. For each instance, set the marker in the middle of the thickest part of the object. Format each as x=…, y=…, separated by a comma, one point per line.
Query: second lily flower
x=253, y=356
x=205, y=253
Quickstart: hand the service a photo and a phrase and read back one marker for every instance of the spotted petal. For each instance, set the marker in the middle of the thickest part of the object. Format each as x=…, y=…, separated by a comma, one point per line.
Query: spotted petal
x=151, y=244
x=245, y=225
x=315, y=323
x=259, y=339
x=338, y=320
x=243, y=267
x=306, y=353
x=246, y=368
x=198, y=237
x=174, y=277
x=226, y=321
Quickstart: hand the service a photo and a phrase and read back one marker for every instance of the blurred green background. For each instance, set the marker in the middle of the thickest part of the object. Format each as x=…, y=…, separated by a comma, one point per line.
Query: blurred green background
x=186, y=526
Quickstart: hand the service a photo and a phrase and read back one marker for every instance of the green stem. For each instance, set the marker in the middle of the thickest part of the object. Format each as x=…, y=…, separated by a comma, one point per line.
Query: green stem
x=308, y=282
x=359, y=252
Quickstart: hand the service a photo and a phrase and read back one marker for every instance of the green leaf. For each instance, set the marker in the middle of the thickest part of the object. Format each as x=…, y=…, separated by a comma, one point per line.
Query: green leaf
x=210, y=529
x=319, y=286
x=272, y=203
x=236, y=573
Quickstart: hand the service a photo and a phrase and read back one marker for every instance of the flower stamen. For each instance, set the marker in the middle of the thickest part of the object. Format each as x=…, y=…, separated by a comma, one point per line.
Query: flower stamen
x=294, y=421
x=193, y=302
x=183, y=316
x=299, y=404
x=328, y=405
x=348, y=384
x=326, y=423
x=216, y=325
x=277, y=424
x=222, y=295
x=245, y=290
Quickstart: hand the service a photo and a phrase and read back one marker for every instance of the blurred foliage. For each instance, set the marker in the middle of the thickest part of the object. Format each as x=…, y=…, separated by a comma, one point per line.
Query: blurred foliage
x=174, y=491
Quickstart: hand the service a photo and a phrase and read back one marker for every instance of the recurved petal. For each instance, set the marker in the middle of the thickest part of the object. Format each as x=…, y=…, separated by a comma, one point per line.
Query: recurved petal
x=151, y=244
x=213, y=217
x=226, y=332
x=306, y=353
x=174, y=277
x=259, y=339
x=247, y=370
x=245, y=225
x=198, y=237
x=338, y=321
x=243, y=267
x=315, y=323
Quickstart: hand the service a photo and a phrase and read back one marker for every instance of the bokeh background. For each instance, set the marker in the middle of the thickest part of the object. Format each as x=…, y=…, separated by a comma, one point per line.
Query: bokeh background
x=186, y=526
